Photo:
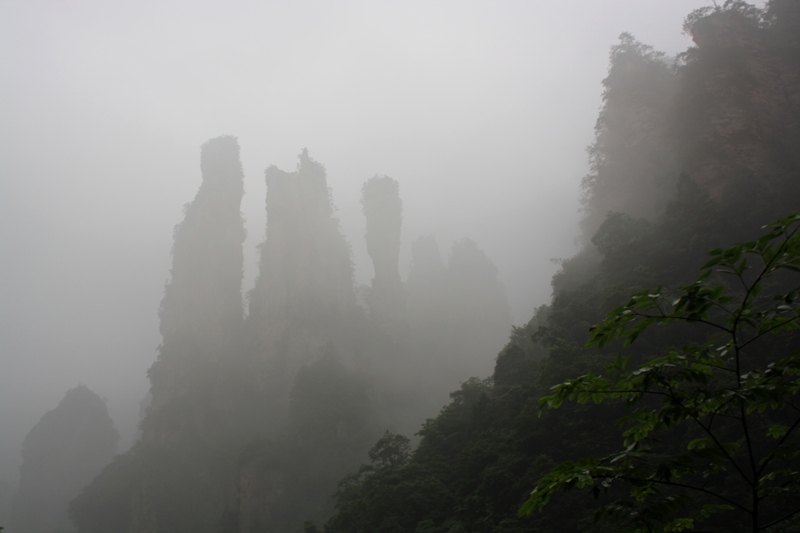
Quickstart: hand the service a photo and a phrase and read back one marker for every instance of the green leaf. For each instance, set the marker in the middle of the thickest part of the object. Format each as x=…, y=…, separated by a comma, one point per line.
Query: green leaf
x=776, y=431
x=694, y=398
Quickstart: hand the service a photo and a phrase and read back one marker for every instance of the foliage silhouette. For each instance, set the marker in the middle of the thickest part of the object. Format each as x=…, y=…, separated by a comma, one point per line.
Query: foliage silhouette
x=728, y=405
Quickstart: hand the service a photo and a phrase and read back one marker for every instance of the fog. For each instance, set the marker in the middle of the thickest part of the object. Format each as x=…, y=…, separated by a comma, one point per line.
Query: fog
x=481, y=111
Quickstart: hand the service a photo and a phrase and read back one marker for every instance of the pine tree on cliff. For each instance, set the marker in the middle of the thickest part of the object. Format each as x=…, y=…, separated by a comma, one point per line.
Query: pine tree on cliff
x=60, y=455
x=383, y=209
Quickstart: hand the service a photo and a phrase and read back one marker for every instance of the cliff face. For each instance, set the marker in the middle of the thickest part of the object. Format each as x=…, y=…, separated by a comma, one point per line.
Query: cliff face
x=201, y=313
x=221, y=385
x=458, y=318
x=177, y=476
x=203, y=300
x=383, y=209
x=739, y=99
x=304, y=298
x=633, y=167
x=726, y=114
x=60, y=455
x=303, y=322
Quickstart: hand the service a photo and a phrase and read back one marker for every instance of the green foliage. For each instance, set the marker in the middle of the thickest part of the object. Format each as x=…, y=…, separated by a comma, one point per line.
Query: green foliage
x=391, y=451
x=712, y=425
x=357, y=491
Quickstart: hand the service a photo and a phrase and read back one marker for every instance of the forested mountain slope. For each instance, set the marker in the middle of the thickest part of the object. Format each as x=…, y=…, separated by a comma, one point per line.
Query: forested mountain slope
x=688, y=157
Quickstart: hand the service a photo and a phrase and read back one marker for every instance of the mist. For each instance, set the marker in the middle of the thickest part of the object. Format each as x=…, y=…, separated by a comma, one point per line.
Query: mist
x=481, y=112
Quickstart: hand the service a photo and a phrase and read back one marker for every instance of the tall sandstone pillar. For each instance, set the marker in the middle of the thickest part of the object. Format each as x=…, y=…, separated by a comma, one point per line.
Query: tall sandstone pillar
x=383, y=210
x=201, y=313
x=303, y=301
x=178, y=475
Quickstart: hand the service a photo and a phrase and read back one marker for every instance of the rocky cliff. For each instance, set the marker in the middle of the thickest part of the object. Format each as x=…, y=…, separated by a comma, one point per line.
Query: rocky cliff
x=383, y=209
x=177, y=476
x=304, y=297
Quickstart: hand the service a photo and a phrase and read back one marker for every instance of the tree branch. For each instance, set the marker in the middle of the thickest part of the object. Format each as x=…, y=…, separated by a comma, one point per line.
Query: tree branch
x=690, y=487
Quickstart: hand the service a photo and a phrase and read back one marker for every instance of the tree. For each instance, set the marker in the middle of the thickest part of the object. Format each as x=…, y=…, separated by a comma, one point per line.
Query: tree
x=712, y=425
x=368, y=500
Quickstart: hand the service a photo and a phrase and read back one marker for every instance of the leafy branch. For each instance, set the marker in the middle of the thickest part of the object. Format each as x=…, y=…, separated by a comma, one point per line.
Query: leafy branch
x=738, y=449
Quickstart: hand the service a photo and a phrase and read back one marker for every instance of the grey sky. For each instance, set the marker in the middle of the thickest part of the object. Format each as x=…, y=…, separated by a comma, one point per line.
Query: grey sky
x=481, y=110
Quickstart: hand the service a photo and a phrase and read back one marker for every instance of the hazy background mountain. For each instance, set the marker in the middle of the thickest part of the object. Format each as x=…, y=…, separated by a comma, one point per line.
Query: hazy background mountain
x=61, y=454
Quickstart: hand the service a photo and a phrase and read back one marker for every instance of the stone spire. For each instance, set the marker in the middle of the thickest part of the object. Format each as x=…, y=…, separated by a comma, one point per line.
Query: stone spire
x=304, y=298
x=383, y=209
x=201, y=313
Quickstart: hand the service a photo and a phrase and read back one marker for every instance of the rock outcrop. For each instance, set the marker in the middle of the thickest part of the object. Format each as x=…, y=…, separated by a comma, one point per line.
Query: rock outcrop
x=383, y=209
x=202, y=310
x=739, y=99
x=60, y=456
x=177, y=477
x=304, y=296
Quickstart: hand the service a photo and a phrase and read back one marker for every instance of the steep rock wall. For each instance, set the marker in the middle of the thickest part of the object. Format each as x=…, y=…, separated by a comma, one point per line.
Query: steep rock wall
x=180, y=473
x=383, y=209
x=304, y=298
